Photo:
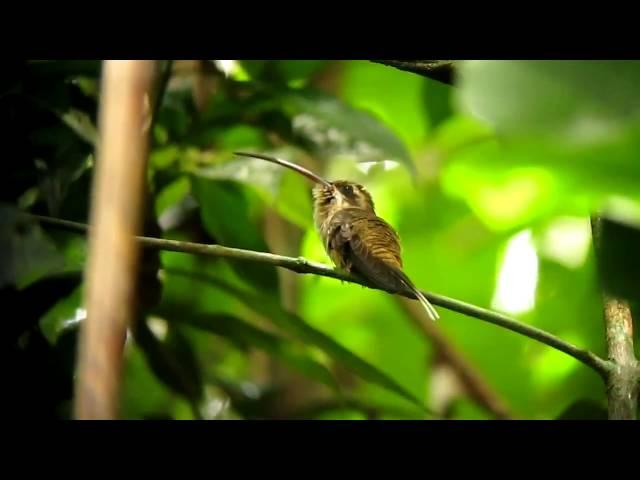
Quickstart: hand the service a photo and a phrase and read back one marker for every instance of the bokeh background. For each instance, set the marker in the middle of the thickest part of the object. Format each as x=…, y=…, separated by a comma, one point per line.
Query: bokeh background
x=490, y=183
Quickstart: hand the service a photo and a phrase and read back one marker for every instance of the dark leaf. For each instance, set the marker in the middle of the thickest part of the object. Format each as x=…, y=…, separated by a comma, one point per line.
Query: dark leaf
x=27, y=254
x=619, y=258
x=65, y=68
x=231, y=215
x=171, y=360
x=584, y=410
x=437, y=100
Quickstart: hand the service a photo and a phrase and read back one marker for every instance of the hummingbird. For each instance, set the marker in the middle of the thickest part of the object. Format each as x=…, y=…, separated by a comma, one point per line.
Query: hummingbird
x=354, y=237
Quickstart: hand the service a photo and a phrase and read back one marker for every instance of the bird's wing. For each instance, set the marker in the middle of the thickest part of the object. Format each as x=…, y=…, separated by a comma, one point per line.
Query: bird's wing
x=368, y=246
x=364, y=244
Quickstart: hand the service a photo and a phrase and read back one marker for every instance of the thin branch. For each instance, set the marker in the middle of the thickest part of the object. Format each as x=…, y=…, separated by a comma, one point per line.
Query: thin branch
x=113, y=253
x=439, y=70
x=473, y=382
x=623, y=385
x=304, y=266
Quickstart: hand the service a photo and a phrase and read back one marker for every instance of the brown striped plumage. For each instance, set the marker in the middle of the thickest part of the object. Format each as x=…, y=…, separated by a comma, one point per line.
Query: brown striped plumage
x=359, y=241
x=354, y=237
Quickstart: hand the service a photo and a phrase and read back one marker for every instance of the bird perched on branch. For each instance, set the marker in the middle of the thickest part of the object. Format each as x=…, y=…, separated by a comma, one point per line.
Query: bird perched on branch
x=354, y=237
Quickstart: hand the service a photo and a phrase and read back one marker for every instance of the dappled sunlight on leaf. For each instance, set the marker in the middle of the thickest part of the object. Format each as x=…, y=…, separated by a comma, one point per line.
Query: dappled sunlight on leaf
x=567, y=240
x=401, y=105
x=516, y=285
x=550, y=368
x=502, y=200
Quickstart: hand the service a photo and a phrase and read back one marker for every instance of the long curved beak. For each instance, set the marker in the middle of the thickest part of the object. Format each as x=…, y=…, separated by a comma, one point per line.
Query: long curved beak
x=297, y=168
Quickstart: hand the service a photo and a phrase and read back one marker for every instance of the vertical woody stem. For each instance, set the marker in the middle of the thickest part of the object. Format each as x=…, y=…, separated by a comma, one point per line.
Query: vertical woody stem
x=113, y=251
x=624, y=375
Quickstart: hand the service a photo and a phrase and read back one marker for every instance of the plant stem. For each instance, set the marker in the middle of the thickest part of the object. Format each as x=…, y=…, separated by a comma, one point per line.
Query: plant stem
x=112, y=262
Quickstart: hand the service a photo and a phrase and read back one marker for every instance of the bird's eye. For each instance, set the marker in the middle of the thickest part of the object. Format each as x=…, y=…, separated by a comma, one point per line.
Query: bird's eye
x=348, y=190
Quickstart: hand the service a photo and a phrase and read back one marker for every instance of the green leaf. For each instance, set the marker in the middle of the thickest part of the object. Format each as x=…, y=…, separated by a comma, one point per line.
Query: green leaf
x=401, y=105
x=244, y=335
x=330, y=127
x=81, y=124
x=558, y=98
x=64, y=315
x=157, y=400
x=28, y=255
x=282, y=71
x=171, y=360
x=172, y=194
x=580, y=120
x=231, y=215
x=437, y=98
x=297, y=327
x=180, y=290
x=287, y=192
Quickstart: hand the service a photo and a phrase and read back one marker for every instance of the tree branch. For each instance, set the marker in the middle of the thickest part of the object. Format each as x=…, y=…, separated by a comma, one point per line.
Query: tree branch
x=439, y=70
x=304, y=266
x=623, y=385
x=623, y=380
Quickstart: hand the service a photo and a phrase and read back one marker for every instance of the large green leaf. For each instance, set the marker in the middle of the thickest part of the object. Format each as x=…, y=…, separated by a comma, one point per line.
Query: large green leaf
x=330, y=127
x=231, y=215
x=143, y=394
x=571, y=100
x=286, y=191
x=172, y=360
x=578, y=119
x=65, y=314
x=401, y=105
x=294, y=325
x=245, y=335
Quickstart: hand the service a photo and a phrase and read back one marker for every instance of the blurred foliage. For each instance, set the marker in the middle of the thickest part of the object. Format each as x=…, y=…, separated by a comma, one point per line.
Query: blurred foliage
x=489, y=183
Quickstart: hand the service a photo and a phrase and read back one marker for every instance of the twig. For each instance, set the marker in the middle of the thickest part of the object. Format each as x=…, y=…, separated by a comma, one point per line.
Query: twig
x=439, y=70
x=475, y=385
x=113, y=252
x=304, y=266
x=623, y=385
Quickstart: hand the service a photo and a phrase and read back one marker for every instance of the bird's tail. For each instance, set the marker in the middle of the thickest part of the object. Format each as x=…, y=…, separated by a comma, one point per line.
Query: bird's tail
x=431, y=311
